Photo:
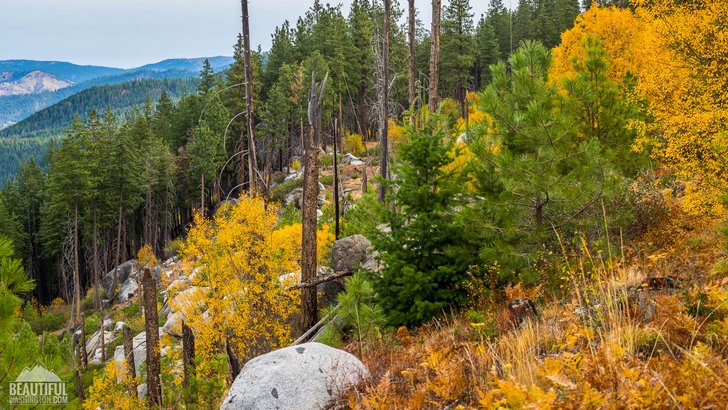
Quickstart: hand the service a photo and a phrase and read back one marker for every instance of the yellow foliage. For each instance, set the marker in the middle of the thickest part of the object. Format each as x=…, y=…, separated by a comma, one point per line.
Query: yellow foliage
x=677, y=51
x=110, y=390
x=243, y=260
x=627, y=38
x=296, y=165
x=145, y=257
x=353, y=144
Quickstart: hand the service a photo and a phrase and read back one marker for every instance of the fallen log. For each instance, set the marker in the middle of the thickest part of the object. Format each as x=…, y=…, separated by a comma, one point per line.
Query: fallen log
x=320, y=280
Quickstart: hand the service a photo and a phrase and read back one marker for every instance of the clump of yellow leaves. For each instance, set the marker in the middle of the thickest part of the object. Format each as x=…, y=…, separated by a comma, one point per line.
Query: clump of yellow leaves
x=110, y=390
x=677, y=52
x=242, y=262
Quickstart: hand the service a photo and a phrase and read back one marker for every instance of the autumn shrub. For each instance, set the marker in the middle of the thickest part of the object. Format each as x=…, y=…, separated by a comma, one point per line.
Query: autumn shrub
x=363, y=216
x=353, y=144
x=242, y=294
x=278, y=192
x=110, y=390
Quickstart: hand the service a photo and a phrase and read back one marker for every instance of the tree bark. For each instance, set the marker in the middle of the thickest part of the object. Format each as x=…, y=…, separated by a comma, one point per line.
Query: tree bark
x=151, y=322
x=434, y=98
x=129, y=356
x=188, y=353
x=384, y=96
x=76, y=273
x=252, y=161
x=411, y=91
x=233, y=362
x=336, y=177
x=118, y=255
x=309, y=311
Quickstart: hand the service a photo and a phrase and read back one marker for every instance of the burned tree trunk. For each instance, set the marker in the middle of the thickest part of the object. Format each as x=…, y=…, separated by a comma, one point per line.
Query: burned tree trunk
x=151, y=323
x=434, y=98
x=129, y=356
x=336, y=177
x=309, y=312
x=188, y=353
x=233, y=362
x=384, y=100
x=411, y=91
x=252, y=161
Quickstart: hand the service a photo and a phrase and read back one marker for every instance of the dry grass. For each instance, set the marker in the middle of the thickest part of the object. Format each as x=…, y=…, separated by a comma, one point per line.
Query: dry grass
x=606, y=345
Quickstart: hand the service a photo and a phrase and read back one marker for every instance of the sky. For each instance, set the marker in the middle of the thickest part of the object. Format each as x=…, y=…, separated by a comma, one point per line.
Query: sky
x=130, y=33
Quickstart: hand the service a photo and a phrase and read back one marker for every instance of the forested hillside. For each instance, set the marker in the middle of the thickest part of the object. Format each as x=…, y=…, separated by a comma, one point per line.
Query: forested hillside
x=526, y=210
x=120, y=98
x=14, y=108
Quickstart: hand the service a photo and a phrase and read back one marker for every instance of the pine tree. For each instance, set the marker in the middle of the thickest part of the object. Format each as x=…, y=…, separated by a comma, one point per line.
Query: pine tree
x=424, y=256
x=488, y=52
x=207, y=79
x=500, y=20
x=536, y=164
x=601, y=109
x=458, y=50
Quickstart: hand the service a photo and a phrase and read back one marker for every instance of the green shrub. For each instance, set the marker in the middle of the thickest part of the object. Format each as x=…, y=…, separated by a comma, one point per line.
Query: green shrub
x=279, y=191
x=327, y=180
x=364, y=216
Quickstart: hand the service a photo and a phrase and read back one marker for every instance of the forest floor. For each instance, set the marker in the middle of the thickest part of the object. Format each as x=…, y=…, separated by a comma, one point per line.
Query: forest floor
x=606, y=337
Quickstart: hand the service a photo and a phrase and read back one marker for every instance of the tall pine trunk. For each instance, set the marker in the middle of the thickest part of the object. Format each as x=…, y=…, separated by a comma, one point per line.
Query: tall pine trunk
x=151, y=322
x=117, y=257
x=309, y=311
x=76, y=268
x=434, y=98
x=252, y=161
x=411, y=91
x=384, y=94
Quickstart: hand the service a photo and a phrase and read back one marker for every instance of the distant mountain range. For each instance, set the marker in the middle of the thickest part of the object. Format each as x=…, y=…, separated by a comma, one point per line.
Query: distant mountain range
x=28, y=86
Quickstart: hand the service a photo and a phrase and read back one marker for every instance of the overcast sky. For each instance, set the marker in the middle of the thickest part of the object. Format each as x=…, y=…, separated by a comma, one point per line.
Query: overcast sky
x=129, y=33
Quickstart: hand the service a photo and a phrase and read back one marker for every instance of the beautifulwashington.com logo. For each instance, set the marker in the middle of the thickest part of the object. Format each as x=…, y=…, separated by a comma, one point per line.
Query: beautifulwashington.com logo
x=38, y=386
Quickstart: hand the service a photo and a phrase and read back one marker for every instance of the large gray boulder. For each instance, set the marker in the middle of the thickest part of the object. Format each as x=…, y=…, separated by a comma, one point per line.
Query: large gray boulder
x=125, y=270
x=139, y=342
x=294, y=197
x=307, y=376
x=351, y=252
x=128, y=290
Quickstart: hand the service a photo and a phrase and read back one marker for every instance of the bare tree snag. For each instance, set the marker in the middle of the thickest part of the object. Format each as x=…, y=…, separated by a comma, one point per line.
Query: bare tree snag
x=411, y=91
x=434, y=98
x=336, y=177
x=151, y=323
x=188, y=353
x=309, y=311
x=252, y=161
x=233, y=362
x=384, y=101
x=79, y=387
x=76, y=273
x=129, y=356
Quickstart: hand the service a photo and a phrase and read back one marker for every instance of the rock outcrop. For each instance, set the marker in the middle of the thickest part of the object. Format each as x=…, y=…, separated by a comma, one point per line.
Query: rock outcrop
x=307, y=376
x=125, y=270
x=353, y=252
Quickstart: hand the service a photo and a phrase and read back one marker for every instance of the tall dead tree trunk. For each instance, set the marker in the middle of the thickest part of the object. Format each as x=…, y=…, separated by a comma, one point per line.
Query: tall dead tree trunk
x=188, y=353
x=336, y=177
x=151, y=324
x=95, y=250
x=434, y=98
x=118, y=254
x=309, y=311
x=411, y=91
x=76, y=268
x=252, y=161
x=384, y=100
x=129, y=356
